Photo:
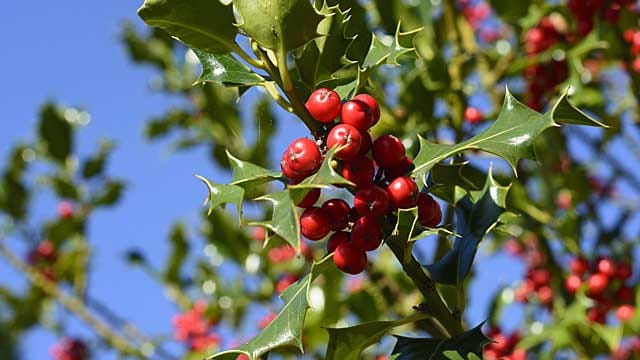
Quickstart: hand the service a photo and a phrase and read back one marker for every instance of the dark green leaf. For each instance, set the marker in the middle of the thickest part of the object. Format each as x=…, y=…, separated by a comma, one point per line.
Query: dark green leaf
x=473, y=221
x=95, y=165
x=348, y=343
x=284, y=221
x=466, y=344
x=179, y=251
x=64, y=188
x=201, y=24
x=226, y=70
x=220, y=194
x=109, y=194
x=278, y=24
x=55, y=132
x=387, y=51
x=286, y=328
x=509, y=10
x=245, y=172
x=512, y=136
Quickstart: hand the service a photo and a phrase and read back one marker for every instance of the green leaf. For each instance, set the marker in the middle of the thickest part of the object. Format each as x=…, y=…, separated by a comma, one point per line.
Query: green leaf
x=245, y=172
x=201, y=24
x=509, y=10
x=325, y=176
x=347, y=343
x=387, y=51
x=318, y=60
x=278, y=24
x=226, y=70
x=179, y=251
x=286, y=328
x=94, y=165
x=512, y=136
x=473, y=221
x=284, y=221
x=466, y=345
x=109, y=194
x=55, y=133
x=220, y=194
x=408, y=230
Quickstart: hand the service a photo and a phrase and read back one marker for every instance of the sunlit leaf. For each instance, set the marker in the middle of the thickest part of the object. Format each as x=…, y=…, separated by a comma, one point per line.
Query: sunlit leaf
x=284, y=221
x=220, y=194
x=226, y=70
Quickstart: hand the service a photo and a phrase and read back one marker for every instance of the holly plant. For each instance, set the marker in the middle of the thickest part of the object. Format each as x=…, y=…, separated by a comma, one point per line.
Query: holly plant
x=423, y=140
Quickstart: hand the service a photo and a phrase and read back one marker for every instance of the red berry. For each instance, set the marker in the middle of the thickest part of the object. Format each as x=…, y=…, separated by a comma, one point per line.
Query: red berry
x=365, y=144
x=302, y=157
x=350, y=258
x=371, y=200
x=347, y=136
x=403, y=192
x=624, y=294
x=607, y=267
x=597, y=284
x=338, y=211
x=400, y=169
x=540, y=277
x=359, y=171
x=579, y=265
x=65, y=209
x=624, y=313
x=597, y=314
x=523, y=291
x=388, y=151
x=310, y=199
x=623, y=271
x=429, y=213
x=285, y=281
x=372, y=104
x=338, y=238
x=472, y=115
x=315, y=223
x=290, y=174
x=366, y=233
x=259, y=234
x=357, y=114
x=573, y=283
x=324, y=105
x=545, y=295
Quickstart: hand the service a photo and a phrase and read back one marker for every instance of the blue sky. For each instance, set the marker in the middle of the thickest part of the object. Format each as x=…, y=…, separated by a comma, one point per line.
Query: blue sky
x=70, y=52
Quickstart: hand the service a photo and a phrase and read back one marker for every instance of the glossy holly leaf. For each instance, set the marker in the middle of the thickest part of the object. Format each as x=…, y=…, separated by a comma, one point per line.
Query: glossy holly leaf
x=466, y=344
x=325, y=176
x=226, y=70
x=388, y=50
x=284, y=221
x=244, y=172
x=474, y=219
x=278, y=24
x=319, y=59
x=512, y=136
x=451, y=182
x=220, y=194
x=200, y=24
x=409, y=230
x=285, y=330
x=347, y=343
x=55, y=133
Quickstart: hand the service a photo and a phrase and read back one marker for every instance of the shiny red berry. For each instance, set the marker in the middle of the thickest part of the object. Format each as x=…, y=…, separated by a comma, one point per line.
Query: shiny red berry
x=315, y=224
x=350, y=258
x=597, y=314
x=429, y=212
x=324, y=105
x=365, y=144
x=371, y=200
x=472, y=115
x=403, y=192
x=545, y=295
x=302, y=157
x=347, y=137
x=359, y=171
x=357, y=114
x=573, y=283
x=338, y=238
x=338, y=211
x=607, y=267
x=388, y=151
x=624, y=294
x=372, y=104
x=625, y=312
x=366, y=233
x=399, y=170
x=310, y=198
x=579, y=265
x=623, y=271
x=597, y=284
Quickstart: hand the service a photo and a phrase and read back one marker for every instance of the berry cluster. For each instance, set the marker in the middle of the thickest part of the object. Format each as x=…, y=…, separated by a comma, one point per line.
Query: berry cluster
x=585, y=12
x=632, y=36
x=503, y=346
x=378, y=169
x=193, y=328
x=604, y=280
x=537, y=283
x=543, y=77
x=478, y=15
x=43, y=257
x=70, y=349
